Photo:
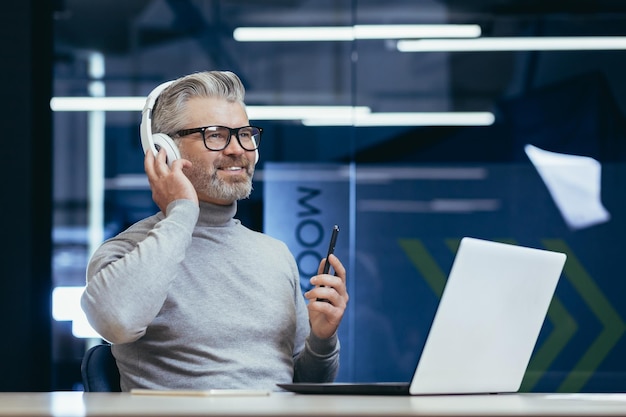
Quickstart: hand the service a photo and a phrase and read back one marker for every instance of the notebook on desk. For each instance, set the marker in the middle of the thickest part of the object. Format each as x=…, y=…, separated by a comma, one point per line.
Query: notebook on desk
x=485, y=328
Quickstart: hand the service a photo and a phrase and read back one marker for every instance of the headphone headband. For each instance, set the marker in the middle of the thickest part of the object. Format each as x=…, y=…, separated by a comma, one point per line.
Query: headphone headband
x=154, y=94
x=145, y=129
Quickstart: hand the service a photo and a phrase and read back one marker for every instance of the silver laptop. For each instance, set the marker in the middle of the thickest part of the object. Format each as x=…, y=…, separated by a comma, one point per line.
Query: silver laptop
x=486, y=326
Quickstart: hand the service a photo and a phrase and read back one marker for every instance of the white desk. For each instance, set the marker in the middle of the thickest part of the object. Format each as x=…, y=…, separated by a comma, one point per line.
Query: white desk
x=68, y=404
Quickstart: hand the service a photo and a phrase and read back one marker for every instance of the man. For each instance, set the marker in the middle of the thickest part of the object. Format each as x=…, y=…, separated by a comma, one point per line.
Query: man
x=189, y=297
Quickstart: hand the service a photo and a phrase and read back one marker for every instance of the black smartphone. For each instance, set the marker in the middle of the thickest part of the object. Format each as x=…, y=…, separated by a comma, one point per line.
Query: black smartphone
x=331, y=250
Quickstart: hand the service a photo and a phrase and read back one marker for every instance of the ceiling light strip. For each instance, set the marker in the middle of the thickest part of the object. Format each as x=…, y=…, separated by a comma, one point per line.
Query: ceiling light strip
x=407, y=119
x=303, y=112
x=62, y=104
x=350, y=33
x=310, y=115
x=97, y=103
x=570, y=43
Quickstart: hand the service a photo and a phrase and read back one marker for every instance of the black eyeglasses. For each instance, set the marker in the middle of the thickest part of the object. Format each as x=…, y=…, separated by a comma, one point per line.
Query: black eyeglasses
x=217, y=138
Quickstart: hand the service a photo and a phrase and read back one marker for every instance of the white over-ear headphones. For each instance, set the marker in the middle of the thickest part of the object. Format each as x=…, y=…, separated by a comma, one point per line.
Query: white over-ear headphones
x=156, y=141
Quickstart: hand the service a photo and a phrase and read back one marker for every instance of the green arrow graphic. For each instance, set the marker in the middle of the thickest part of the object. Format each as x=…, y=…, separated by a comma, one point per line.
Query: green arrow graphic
x=425, y=264
x=594, y=298
x=564, y=328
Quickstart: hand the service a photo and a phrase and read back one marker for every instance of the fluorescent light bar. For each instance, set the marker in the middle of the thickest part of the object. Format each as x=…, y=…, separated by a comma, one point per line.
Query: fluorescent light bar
x=310, y=115
x=415, y=31
x=569, y=43
x=254, y=112
x=97, y=103
x=407, y=119
x=350, y=33
x=303, y=112
x=293, y=34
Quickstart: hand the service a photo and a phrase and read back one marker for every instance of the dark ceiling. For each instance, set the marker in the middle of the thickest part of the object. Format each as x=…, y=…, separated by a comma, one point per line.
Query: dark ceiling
x=147, y=41
x=113, y=26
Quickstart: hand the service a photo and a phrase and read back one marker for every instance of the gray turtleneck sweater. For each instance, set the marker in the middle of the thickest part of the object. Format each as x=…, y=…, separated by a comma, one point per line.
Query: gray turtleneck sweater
x=195, y=300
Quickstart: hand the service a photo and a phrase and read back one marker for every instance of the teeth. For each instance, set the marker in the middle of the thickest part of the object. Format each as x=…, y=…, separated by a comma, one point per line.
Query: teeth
x=232, y=168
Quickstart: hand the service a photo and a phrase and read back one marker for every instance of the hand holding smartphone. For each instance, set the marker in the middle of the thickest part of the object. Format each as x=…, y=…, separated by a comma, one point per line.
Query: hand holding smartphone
x=331, y=250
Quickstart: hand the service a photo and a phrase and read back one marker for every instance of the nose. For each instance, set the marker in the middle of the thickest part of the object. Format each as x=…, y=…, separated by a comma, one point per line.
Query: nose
x=234, y=148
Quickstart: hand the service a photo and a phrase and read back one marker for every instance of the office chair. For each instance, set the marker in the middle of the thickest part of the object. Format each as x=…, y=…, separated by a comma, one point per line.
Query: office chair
x=98, y=370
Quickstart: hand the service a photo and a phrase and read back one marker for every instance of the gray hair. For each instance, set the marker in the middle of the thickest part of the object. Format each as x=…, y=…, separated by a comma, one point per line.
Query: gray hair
x=169, y=114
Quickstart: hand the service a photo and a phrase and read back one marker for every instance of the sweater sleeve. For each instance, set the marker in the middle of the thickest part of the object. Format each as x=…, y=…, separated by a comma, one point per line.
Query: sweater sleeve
x=316, y=360
x=129, y=275
x=319, y=361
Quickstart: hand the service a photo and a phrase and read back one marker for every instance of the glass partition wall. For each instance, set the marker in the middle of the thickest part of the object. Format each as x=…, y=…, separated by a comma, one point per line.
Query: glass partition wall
x=408, y=124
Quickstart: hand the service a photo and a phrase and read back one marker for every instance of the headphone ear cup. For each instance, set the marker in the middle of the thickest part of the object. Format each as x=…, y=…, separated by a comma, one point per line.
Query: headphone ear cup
x=162, y=141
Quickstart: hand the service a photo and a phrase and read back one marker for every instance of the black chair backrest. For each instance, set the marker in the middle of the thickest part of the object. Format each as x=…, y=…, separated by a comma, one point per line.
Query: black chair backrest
x=99, y=371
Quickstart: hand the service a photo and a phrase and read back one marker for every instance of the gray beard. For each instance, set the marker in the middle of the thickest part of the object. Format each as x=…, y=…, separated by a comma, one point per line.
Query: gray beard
x=206, y=181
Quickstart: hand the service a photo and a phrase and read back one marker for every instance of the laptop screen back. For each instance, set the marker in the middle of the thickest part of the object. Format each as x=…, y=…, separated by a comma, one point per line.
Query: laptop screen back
x=488, y=320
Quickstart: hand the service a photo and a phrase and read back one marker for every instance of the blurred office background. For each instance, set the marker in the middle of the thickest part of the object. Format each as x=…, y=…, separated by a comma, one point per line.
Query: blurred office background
x=411, y=125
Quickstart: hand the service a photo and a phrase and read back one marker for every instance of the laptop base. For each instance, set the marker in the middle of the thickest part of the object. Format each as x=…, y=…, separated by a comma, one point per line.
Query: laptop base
x=338, y=388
